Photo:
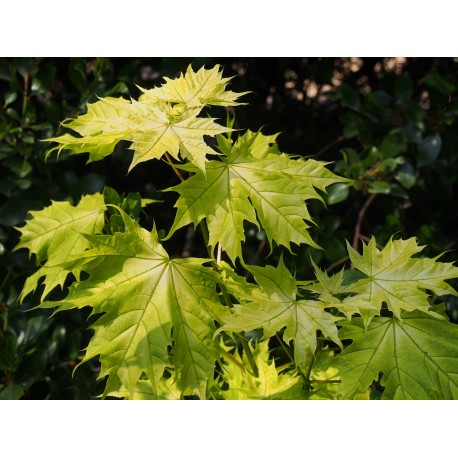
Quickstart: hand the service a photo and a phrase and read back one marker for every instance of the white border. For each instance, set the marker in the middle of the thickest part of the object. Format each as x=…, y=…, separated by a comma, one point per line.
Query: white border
x=191, y=28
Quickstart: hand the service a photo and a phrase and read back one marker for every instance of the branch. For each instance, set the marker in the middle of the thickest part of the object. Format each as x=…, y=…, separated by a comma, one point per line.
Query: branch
x=361, y=214
x=329, y=146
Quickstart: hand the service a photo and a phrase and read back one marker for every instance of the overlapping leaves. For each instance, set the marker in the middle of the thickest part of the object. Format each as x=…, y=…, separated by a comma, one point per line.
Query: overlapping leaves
x=158, y=317
x=269, y=384
x=395, y=277
x=252, y=182
x=418, y=357
x=164, y=119
x=274, y=305
x=150, y=304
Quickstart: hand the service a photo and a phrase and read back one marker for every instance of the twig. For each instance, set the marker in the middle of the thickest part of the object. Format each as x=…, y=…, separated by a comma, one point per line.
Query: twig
x=25, y=97
x=359, y=221
x=329, y=146
x=337, y=263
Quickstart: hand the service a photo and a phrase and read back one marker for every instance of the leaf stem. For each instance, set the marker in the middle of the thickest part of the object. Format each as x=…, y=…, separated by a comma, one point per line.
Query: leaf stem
x=174, y=167
x=206, y=237
x=231, y=358
x=290, y=356
x=249, y=355
x=228, y=301
x=309, y=370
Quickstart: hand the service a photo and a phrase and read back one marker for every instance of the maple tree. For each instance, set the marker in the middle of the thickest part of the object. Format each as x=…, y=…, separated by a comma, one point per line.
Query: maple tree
x=170, y=328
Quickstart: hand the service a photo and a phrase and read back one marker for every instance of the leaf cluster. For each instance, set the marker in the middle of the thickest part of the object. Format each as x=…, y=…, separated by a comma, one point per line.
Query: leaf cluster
x=168, y=327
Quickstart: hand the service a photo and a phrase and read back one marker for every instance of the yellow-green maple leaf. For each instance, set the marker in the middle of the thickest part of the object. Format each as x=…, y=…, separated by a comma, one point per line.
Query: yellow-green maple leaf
x=332, y=293
x=164, y=389
x=269, y=384
x=395, y=277
x=194, y=89
x=154, y=125
x=418, y=357
x=55, y=236
x=156, y=311
x=274, y=305
x=252, y=182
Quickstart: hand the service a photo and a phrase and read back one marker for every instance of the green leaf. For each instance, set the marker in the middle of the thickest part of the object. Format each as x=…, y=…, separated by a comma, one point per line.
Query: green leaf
x=418, y=357
x=155, y=124
x=268, y=385
x=77, y=73
x=325, y=375
x=9, y=97
x=406, y=176
x=438, y=82
x=337, y=192
x=252, y=182
x=403, y=87
x=328, y=290
x=349, y=96
x=274, y=305
x=9, y=354
x=394, y=143
x=55, y=235
x=397, y=278
x=429, y=149
x=165, y=389
x=12, y=391
x=44, y=79
x=379, y=187
x=157, y=311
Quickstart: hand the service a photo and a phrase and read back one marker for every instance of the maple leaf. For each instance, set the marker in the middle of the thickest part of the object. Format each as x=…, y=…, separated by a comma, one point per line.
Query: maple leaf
x=165, y=389
x=54, y=235
x=328, y=289
x=274, y=305
x=195, y=89
x=324, y=376
x=396, y=278
x=152, y=131
x=271, y=189
x=418, y=357
x=104, y=125
x=150, y=303
x=154, y=124
x=269, y=384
